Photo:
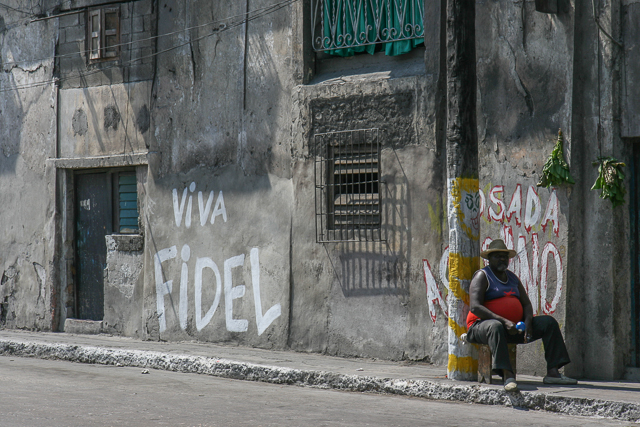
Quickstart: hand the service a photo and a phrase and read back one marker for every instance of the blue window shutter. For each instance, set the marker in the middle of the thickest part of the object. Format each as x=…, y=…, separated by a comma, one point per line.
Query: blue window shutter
x=128, y=204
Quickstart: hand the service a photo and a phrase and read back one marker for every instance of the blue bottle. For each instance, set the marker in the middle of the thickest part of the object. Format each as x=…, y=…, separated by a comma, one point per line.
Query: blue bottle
x=521, y=326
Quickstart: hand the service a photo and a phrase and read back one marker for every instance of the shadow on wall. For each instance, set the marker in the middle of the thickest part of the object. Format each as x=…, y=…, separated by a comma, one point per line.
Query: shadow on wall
x=381, y=268
x=11, y=117
x=203, y=120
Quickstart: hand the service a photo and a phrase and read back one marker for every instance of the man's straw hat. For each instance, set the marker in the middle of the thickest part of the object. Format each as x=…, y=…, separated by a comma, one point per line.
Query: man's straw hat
x=497, y=246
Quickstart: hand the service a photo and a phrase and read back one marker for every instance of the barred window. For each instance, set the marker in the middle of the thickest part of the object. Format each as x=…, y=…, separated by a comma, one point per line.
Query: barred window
x=104, y=33
x=347, y=27
x=347, y=181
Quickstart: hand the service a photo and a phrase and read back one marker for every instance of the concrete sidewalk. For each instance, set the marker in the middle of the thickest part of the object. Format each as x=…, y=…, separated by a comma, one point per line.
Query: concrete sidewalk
x=614, y=400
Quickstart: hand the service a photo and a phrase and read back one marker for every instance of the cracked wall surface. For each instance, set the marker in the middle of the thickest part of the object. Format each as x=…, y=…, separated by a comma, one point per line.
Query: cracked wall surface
x=225, y=117
x=27, y=125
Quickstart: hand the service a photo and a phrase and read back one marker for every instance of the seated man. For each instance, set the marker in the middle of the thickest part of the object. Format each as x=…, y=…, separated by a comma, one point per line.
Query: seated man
x=497, y=302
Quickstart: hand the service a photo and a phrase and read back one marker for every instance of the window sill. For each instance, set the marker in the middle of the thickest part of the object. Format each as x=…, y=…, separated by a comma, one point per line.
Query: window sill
x=125, y=242
x=329, y=67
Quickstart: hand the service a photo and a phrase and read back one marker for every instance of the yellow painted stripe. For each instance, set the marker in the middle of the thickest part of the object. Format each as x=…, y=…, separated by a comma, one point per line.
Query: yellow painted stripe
x=459, y=330
x=463, y=267
x=457, y=186
x=462, y=364
x=456, y=289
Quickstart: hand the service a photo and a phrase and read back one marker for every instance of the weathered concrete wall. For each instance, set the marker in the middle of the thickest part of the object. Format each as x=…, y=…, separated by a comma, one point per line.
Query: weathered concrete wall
x=599, y=302
x=104, y=120
x=525, y=72
x=219, y=190
x=630, y=96
x=27, y=125
x=227, y=113
x=123, y=284
x=136, y=61
x=369, y=299
x=216, y=258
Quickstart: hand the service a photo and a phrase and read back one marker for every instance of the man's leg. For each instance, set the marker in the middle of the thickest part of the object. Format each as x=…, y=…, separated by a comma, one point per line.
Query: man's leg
x=492, y=333
x=555, y=351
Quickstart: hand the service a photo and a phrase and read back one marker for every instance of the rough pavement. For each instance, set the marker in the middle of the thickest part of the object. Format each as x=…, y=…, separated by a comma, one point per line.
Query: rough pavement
x=614, y=400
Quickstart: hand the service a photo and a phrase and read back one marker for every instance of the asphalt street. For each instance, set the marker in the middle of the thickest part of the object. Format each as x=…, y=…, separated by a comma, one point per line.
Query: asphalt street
x=50, y=393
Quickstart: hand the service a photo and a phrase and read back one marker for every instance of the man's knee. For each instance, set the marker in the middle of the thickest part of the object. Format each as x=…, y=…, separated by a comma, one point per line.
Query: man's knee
x=494, y=327
x=482, y=332
x=546, y=322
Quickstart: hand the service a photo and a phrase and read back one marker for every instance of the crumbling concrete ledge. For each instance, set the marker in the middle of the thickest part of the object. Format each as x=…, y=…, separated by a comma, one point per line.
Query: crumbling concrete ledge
x=320, y=379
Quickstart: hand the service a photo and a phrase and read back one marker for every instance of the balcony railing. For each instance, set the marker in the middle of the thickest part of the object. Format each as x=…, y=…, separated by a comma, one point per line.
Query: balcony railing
x=344, y=27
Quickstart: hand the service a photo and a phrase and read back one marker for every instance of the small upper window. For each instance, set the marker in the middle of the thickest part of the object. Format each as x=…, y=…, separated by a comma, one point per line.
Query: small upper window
x=104, y=33
x=347, y=27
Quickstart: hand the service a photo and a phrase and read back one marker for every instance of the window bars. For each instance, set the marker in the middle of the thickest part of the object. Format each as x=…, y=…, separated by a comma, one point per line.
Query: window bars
x=347, y=186
x=351, y=25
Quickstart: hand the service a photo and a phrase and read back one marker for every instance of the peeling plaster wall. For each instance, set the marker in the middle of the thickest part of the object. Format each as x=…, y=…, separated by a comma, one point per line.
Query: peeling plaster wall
x=123, y=283
x=525, y=74
x=104, y=120
x=369, y=298
x=27, y=124
x=219, y=192
x=599, y=302
x=226, y=117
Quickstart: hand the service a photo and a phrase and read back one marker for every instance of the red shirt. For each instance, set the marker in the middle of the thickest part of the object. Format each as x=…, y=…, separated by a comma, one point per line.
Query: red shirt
x=508, y=307
x=502, y=298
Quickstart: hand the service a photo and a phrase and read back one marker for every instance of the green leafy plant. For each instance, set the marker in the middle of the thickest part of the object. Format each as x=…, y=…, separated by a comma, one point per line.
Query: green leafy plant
x=610, y=180
x=556, y=169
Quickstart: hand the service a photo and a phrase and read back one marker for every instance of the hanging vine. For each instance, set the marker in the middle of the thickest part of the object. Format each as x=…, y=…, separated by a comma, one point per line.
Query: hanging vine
x=556, y=169
x=610, y=180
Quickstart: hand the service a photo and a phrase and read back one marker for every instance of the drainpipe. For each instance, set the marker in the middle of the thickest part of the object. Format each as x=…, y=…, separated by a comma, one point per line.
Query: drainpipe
x=462, y=181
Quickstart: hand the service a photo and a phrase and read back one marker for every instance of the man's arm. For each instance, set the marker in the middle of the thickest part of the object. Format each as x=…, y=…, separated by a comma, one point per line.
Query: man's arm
x=527, y=310
x=477, y=289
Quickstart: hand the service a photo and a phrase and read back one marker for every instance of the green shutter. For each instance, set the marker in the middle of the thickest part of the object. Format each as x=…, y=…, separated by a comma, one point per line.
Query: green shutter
x=128, y=203
x=359, y=25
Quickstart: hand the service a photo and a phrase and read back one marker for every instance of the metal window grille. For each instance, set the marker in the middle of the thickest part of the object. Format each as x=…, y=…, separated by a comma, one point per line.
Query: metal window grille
x=347, y=186
x=338, y=24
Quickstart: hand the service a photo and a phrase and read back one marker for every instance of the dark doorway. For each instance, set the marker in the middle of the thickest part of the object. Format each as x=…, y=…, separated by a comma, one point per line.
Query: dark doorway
x=634, y=204
x=93, y=222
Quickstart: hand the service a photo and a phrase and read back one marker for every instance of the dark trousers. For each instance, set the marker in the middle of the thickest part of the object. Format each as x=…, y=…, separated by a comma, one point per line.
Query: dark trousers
x=493, y=333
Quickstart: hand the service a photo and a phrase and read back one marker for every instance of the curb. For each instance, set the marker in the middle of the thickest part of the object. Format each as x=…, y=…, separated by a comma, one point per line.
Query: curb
x=622, y=411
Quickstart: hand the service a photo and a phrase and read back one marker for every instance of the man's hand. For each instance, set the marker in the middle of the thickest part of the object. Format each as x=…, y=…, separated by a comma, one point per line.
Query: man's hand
x=510, y=327
x=527, y=337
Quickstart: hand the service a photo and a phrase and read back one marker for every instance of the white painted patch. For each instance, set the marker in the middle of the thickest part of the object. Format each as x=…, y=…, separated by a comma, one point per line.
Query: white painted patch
x=163, y=288
x=178, y=209
x=494, y=196
x=515, y=207
x=262, y=320
x=219, y=209
x=550, y=307
x=434, y=296
x=201, y=264
x=551, y=214
x=532, y=211
x=204, y=212
x=233, y=292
